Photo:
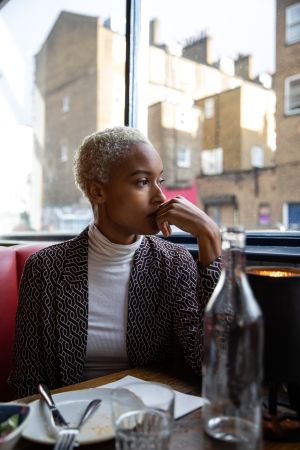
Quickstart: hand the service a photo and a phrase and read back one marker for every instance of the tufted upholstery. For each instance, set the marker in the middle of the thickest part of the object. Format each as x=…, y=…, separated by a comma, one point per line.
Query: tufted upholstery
x=12, y=260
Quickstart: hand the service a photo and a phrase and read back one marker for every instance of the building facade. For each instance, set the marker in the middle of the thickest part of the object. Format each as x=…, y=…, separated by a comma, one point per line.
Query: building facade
x=268, y=194
x=287, y=87
x=199, y=112
x=238, y=128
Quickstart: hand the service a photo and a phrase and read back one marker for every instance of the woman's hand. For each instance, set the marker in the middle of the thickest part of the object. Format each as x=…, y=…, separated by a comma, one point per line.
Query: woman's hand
x=183, y=214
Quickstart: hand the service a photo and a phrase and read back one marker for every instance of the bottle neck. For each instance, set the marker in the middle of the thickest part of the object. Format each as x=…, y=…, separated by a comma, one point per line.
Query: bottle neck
x=233, y=260
x=233, y=250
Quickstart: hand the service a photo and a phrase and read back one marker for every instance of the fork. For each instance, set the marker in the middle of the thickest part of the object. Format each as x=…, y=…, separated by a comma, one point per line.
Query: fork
x=66, y=439
x=67, y=435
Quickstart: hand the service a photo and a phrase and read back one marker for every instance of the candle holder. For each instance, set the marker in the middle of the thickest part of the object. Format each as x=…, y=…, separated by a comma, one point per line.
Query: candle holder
x=277, y=290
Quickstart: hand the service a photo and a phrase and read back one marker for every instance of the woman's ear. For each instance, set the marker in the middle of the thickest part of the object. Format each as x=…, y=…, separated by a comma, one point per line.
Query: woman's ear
x=96, y=192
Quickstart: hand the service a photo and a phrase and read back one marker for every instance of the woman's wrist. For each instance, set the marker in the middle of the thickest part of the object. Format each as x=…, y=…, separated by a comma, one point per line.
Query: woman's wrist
x=209, y=243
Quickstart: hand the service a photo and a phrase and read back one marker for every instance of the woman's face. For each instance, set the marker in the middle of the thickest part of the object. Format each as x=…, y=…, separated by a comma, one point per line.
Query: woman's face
x=132, y=196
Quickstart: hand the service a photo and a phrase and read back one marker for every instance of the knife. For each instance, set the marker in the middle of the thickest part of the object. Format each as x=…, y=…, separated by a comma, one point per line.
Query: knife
x=46, y=395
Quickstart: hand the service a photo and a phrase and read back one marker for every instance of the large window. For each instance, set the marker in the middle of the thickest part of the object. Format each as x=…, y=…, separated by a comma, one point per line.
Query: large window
x=184, y=157
x=292, y=23
x=62, y=77
x=211, y=95
x=292, y=94
x=291, y=215
x=210, y=60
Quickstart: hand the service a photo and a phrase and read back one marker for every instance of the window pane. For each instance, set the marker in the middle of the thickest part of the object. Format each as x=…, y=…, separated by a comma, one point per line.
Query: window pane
x=292, y=94
x=295, y=94
x=62, y=78
x=217, y=60
x=293, y=23
x=214, y=90
x=184, y=157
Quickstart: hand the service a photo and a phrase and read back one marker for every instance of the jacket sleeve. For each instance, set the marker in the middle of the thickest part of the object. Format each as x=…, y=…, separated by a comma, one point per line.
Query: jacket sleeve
x=27, y=369
x=193, y=291
x=208, y=278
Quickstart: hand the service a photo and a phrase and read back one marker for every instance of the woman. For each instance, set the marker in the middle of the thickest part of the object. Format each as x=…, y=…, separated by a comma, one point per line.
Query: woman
x=115, y=296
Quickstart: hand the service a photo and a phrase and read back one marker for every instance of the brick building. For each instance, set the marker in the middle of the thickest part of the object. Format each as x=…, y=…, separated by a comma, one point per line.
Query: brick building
x=268, y=195
x=287, y=87
x=237, y=181
x=69, y=98
x=240, y=123
x=79, y=88
x=176, y=133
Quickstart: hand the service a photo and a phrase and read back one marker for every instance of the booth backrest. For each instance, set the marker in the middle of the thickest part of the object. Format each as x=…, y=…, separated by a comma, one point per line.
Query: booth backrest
x=12, y=260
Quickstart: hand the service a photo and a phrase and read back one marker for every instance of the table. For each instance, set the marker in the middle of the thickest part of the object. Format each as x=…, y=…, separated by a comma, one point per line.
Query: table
x=187, y=433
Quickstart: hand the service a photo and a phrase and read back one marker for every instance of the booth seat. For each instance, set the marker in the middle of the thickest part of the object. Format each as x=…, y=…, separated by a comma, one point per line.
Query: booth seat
x=12, y=260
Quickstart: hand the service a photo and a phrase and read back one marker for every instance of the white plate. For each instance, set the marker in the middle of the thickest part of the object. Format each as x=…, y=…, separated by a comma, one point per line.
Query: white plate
x=72, y=404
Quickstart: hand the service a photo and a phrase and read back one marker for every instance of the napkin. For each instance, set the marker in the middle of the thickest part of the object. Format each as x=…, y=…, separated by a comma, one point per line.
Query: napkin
x=184, y=403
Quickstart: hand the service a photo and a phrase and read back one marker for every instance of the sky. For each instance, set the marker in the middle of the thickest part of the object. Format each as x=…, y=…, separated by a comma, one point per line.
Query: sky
x=246, y=26
x=235, y=26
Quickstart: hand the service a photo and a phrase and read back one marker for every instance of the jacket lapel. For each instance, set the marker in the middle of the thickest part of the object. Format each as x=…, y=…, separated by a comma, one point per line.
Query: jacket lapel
x=72, y=313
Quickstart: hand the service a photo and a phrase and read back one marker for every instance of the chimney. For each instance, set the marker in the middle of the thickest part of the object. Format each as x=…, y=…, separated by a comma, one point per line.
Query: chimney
x=199, y=50
x=154, y=37
x=243, y=67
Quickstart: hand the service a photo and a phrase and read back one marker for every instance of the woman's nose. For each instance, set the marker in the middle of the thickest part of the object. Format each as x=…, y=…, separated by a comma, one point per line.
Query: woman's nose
x=159, y=196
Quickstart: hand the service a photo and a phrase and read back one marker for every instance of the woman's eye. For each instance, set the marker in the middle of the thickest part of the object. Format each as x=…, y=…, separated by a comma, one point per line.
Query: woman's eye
x=145, y=182
x=142, y=183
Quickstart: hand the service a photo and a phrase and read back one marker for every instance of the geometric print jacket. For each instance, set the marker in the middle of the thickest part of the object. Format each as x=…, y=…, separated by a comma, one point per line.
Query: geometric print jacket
x=168, y=292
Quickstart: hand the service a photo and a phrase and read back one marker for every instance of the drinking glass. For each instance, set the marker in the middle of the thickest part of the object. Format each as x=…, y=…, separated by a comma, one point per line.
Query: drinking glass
x=143, y=415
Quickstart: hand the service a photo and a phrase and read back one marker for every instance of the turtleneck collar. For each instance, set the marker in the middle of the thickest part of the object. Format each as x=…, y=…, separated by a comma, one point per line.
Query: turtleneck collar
x=100, y=245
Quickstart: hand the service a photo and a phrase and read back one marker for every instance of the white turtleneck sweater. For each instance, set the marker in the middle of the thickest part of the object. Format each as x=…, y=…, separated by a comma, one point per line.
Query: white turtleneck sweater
x=109, y=267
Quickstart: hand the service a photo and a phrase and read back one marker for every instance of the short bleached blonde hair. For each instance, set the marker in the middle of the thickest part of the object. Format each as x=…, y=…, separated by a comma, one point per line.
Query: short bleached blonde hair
x=97, y=153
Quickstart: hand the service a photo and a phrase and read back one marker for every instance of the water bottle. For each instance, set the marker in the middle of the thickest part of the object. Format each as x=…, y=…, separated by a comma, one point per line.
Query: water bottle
x=233, y=347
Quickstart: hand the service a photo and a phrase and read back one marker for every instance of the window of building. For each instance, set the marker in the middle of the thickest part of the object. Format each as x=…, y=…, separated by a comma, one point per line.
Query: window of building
x=209, y=108
x=264, y=214
x=214, y=212
x=291, y=216
x=54, y=65
x=212, y=161
x=257, y=156
x=184, y=157
x=65, y=104
x=64, y=152
x=55, y=83
x=292, y=95
x=292, y=23
x=224, y=214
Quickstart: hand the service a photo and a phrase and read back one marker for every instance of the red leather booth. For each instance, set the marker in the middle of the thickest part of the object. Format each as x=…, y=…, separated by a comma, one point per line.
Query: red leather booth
x=12, y=260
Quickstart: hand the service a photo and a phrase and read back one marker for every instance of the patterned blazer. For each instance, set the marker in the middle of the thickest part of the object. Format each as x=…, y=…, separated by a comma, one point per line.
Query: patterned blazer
x=166, y=300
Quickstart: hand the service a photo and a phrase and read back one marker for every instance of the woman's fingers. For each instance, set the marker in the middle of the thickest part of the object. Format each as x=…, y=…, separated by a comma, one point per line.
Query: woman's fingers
x=165, y=228
x=162, y=223
x=185, y=215
x=188, y=217
x=177, y=211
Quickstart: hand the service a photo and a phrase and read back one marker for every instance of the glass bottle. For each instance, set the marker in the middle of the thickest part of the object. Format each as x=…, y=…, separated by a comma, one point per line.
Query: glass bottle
x=233, y=346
